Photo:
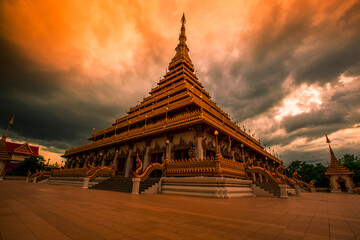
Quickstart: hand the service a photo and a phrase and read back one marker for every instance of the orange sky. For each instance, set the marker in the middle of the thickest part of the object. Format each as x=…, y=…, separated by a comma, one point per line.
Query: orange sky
x=262, y=61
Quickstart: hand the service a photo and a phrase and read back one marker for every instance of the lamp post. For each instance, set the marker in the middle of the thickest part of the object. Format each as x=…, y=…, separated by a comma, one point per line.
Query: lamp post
x=216, y=139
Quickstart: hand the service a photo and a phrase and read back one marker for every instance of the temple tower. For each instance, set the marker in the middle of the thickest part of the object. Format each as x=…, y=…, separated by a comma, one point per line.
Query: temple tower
x=4, y=155
x=339, y=176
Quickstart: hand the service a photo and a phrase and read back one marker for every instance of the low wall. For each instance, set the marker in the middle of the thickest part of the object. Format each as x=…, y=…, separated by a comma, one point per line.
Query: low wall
x=15, y=178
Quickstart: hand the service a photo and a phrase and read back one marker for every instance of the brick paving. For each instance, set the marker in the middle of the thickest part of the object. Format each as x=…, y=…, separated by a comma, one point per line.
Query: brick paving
x=43, y=211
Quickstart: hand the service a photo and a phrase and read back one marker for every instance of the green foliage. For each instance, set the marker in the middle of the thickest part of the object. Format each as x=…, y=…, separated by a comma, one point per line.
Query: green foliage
x=308, y=173
x=353, y=164
x=29, y=164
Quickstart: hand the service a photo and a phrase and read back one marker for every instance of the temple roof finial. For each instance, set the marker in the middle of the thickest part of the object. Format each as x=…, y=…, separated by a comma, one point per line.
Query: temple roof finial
x=183, y=19
x=10, y=123
x=182, y=50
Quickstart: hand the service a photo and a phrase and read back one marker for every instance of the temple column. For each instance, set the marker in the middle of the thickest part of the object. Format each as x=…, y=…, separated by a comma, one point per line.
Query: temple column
x=146, y=157
x=169, y=153
x=86, y=162
x=261, y=177
x=233, y=154
x=128, y=162
x=77, y=163
x=199, y=136
x=253, y=176
x=2, y=168
x=103, y=161
x=115, y=162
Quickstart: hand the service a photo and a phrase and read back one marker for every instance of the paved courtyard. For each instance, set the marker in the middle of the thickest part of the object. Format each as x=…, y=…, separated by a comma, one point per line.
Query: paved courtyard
x=42, y=211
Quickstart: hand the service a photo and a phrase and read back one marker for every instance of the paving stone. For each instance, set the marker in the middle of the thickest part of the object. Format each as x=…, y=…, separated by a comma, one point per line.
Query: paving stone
x=42, y=211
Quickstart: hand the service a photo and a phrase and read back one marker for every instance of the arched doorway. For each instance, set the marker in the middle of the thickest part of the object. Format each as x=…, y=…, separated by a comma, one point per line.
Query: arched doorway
x=342, y=184
x=156, y=158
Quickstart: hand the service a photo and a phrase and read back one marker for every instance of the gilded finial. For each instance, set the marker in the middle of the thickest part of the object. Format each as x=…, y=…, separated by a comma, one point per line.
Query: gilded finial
x=10, y=123
x=183, y=20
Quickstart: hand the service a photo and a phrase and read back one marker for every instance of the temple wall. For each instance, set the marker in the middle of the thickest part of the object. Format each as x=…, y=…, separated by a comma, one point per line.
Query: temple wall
x=186, y=136
x=159, y=141
x=123, y=148
x=208, y=138
x=335, y=186
x=139, y=145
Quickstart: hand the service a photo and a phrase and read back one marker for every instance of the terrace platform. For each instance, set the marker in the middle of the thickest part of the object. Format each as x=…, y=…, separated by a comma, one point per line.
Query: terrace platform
x=44, y=211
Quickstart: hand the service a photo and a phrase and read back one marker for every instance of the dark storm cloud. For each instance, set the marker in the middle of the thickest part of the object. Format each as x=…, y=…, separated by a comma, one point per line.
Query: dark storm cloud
x=29, y=93
x=288, y=44
x=55, y=107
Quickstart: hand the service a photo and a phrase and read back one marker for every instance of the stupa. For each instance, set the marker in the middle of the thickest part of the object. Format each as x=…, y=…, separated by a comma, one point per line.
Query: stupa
x=339, y=176
x=178, y=123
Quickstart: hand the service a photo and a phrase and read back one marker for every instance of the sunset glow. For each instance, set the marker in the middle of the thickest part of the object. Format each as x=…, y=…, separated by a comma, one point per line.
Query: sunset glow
x=287, y=70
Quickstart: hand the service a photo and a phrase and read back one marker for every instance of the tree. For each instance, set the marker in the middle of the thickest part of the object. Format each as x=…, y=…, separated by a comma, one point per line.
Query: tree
x=353, y=164
x=31, y=164
x=308, y=172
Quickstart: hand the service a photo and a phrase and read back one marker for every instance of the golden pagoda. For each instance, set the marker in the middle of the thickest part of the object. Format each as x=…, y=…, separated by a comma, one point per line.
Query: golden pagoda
x=180, y=128
x=339, y=176
x=4, y=155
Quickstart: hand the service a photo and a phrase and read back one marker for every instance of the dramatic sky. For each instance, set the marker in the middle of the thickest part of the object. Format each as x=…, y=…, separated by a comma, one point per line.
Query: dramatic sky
x=287, y=70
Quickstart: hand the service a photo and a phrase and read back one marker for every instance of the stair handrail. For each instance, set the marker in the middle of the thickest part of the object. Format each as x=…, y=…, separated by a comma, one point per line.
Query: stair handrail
x=263, y=171
x=279, y=173
x=303, y=184
x=139, y=165
x=153, y=166
x=106, y=171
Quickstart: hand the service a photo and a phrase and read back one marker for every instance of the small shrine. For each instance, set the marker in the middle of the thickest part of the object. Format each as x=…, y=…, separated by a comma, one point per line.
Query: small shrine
x=339, y=176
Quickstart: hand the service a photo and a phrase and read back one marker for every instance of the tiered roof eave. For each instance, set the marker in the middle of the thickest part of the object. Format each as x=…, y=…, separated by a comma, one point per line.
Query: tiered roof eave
x=335, y=167
x=178, y=89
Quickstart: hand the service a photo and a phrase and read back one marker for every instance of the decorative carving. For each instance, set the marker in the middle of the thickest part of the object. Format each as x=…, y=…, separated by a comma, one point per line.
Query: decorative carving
x=153, y=166
x=301, y=183
x=139, y=165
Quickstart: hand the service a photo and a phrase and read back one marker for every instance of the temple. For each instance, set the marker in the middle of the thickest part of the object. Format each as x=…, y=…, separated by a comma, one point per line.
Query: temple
x=4, y=155
x=340, y=177
x=11, y=154
x=180, y=134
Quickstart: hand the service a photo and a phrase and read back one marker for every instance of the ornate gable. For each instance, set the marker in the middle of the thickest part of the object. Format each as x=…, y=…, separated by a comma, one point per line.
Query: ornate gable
x=25, y=148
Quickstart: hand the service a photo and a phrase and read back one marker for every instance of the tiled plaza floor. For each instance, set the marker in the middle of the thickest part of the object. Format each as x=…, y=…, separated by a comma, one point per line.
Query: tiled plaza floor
x=42, y=211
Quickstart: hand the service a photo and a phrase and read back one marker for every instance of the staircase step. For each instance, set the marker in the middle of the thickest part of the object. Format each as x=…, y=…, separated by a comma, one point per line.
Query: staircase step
x=117, y=184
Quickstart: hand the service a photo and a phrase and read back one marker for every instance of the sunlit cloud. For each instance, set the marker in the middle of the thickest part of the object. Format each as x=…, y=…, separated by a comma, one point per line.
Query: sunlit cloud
x=287, y=70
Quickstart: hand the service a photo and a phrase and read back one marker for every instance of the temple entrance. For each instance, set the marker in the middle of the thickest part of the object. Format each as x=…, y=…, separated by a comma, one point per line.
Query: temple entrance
x=181, y=154
x=108, y=162
x=342, y=186
x=121, y=165
x=210, y=154
x=156, y=158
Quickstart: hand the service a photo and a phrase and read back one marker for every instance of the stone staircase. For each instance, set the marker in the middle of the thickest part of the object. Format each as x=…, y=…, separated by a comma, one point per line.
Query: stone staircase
x=272, y=190
x=116, y=184
x=122, y=184
x=148, y=183
x=268, y=187
x=72, y=181
x=215, y=187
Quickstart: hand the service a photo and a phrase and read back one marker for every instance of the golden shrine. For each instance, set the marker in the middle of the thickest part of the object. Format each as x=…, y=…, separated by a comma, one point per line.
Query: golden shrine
x=339, y=176
x=179, y=134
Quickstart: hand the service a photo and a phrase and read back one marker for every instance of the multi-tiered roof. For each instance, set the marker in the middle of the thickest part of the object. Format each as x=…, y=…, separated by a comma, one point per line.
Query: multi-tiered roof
x=178, y=100
x=336, y=168
x=4, y=155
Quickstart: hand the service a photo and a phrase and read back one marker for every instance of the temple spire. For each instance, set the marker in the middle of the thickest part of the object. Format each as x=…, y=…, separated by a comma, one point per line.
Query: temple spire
x=182, y=50
x=332, y=155
x=10, y=123
x=335, y=166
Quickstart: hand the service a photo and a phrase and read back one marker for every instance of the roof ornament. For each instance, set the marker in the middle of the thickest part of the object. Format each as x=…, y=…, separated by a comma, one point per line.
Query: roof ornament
x=10, y=123
x=183, y=19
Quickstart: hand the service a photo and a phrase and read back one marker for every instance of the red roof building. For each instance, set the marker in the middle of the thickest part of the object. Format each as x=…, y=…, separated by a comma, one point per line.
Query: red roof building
x=18, y=152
